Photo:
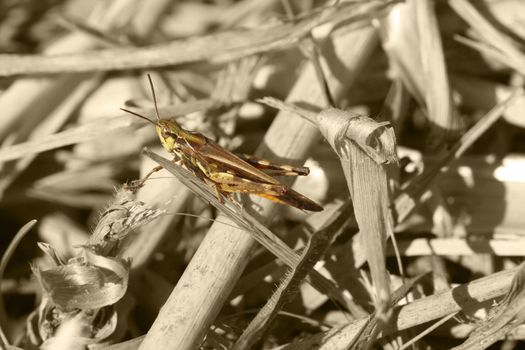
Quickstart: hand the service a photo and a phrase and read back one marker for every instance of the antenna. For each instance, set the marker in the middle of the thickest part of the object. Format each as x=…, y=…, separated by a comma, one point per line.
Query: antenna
x=154, y=97
x=138, y=115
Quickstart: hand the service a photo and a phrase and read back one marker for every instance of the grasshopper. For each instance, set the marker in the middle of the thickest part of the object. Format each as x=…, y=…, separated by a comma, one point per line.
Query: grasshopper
x=224, y=171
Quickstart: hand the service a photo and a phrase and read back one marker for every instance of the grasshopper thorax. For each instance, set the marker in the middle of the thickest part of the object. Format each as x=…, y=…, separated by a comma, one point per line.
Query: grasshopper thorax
x=173, y=136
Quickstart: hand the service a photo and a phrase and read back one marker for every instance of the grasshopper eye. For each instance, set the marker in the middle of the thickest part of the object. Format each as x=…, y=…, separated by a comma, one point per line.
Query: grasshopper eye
x=165, y=133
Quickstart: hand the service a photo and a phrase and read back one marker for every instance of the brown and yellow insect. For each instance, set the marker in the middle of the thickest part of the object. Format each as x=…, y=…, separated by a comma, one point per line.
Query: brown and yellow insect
x=224, y=171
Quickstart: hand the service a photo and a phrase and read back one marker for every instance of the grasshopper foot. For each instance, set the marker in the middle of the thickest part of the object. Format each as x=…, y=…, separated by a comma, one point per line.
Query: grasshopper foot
x=133, y=185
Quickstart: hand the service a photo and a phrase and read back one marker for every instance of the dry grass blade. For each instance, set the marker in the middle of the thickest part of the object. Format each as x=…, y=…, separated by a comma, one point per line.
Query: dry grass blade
x=417, y=60
x=459, y=247
x=367, y=335
x=407, y=201
x=484, y=94
x=53, y=123
x=314, y=223
x=483, y=48
x=72, y=136
x=364, y=174
x=28, y=99
x=437, y=91
x=427, y=331
x=309, y=48
x=395, y=106
x=365, y=148
x=3, y=264
x=95, y=129
x=289, y=286
x=25, y=101
x=508, y=52
x=505, y=317
x=218, y=47
x=475, y=132
x=418, y=312
x=76, y=25
x=235, y=80
x=400, y=42
x=290, y=108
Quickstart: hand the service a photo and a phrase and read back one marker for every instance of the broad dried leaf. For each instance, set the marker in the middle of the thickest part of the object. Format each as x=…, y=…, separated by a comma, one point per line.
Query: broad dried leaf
x=96, y=282
x=364, y=146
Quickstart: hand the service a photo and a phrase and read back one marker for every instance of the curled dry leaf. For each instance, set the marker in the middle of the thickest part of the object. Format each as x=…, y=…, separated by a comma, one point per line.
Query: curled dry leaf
x=377, y=140
x=90, y=283
x=95, y=279
x=364, y=147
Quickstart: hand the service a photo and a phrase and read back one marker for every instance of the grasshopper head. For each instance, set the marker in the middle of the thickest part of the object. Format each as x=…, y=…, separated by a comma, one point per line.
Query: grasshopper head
x=169, y=131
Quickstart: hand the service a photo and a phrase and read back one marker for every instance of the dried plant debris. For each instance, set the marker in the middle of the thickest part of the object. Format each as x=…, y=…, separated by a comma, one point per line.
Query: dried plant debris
x=496, y=43
x=124, y=215
x=409, y=198
x=90, y=282
x=220, y=47
x=81, y=295
x=420, y=71
x=363, y=147
x=314, y=250
x=402, y=120
x=503, y=318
